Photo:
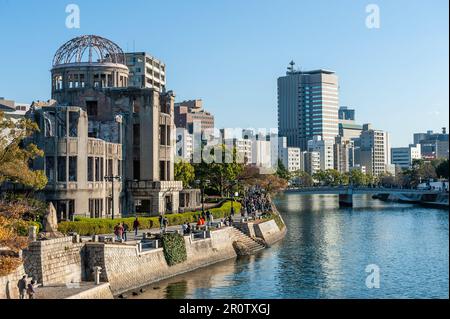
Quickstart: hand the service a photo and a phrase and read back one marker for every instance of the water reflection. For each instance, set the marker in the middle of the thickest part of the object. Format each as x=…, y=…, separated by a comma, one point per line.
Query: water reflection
x=325, y=253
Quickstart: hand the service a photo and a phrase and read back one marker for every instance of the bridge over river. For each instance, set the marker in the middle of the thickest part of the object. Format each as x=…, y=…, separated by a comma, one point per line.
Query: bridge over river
x=346, y=193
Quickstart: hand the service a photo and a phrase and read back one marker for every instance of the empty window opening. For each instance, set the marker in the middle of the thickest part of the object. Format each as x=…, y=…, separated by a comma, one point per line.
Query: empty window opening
x=92, y=108
x=62, y=171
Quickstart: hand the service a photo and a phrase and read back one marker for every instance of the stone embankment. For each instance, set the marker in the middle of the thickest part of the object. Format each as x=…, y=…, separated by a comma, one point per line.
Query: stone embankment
x=65, y=266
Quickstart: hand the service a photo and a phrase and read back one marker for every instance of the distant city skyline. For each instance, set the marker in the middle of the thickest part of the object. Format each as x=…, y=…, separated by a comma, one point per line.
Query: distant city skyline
x=230, y=54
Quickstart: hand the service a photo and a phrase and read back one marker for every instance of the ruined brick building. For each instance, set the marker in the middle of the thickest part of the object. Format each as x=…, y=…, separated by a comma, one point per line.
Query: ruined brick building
x=98, y=127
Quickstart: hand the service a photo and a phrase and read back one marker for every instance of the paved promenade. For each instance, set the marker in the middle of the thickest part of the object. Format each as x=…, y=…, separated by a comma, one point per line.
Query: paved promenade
x=132, y=238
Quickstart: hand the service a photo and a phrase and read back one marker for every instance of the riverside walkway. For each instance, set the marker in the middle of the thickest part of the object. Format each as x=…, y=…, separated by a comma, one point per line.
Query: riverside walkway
x=132, y=238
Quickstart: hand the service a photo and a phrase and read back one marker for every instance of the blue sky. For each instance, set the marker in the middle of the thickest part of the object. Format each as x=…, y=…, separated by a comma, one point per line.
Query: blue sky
x=230, y=53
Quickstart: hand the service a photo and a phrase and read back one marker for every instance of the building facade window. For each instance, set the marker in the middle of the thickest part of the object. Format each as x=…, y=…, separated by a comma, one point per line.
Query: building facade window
x=72, y=169
x=90, y=167
x=73, y=124
x=96, y=208
x=62, y=171
x=92, y=108
x=136, y=134
x=50, y=168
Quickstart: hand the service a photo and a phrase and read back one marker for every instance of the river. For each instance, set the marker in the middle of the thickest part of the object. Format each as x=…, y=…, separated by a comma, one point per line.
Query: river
x=325, y=254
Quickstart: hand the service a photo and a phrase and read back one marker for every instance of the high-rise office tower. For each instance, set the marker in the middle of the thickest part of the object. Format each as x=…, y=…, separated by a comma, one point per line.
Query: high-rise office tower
x=308, y=103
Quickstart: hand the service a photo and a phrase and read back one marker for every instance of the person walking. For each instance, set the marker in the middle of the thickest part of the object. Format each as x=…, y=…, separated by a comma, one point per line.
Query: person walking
x=166, y=224
x=208, y=217
x=184, y=228
x=230, y=220
x=188, y=229
x=125, y=231
x=118, y=231
x=30, y=290
x=136, y=227
x=22, y=285
x=211, y=217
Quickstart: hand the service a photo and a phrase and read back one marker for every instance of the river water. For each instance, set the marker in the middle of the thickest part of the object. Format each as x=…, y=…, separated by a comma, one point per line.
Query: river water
x=325, y=254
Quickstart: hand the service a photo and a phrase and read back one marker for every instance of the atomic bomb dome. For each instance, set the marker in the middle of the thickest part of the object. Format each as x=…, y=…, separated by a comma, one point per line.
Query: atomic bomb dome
x=87, y=62
x=90, y=49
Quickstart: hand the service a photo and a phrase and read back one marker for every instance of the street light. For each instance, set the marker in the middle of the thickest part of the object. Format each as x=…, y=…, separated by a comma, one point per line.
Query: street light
x=202, y=184
x=234, y=195
x=112, y=179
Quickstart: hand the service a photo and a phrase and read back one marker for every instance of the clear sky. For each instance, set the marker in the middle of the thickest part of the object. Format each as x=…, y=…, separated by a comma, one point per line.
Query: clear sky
x=230, y=52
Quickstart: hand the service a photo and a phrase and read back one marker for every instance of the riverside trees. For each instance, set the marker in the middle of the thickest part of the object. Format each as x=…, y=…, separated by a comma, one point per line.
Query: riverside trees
x=17, y=211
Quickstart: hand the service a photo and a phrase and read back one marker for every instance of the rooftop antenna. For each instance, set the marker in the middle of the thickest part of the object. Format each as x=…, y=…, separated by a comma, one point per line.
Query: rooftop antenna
x=291, y=67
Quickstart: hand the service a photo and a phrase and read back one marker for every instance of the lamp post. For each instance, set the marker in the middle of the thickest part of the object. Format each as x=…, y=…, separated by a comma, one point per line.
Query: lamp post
x=233, y=195
x=112, y=179
x=202, y=184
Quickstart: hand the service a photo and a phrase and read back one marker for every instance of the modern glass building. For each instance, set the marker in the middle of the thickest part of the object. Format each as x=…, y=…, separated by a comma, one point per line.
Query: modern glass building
x=308, y=104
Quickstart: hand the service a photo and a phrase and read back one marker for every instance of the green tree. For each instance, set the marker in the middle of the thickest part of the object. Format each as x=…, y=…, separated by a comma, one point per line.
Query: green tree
x=442, y=169
x=184, y=172
x=357, y=178
x=282, y=171
x=344, y=178
x=223, y=174
x=370, y=179
x=15, y=157
x=303, y=178
x=320, y=176
x=420, y=171
x=333, y=177
x=387, y=179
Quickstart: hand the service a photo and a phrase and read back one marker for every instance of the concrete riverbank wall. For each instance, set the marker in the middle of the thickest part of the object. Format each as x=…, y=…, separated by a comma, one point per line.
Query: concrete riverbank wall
x=62, y=263
x=8, y=284
x=125, y=268
x=55, y=262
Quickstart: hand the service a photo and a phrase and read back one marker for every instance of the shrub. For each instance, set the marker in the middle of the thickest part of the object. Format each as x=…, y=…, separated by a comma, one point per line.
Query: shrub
x=174, y=248
x=94, y=226
x=8, y=264
x=22, y=227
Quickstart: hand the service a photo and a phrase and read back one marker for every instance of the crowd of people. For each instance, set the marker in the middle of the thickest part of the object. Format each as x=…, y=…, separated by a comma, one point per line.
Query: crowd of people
x=121, y=230
x=255, y=201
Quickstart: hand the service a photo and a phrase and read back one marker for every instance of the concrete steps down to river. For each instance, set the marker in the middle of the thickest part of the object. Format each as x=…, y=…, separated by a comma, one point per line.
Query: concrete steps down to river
x=244, y=244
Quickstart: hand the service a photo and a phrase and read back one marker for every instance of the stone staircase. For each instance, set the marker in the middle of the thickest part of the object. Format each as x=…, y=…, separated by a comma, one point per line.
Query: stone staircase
x=244, y=244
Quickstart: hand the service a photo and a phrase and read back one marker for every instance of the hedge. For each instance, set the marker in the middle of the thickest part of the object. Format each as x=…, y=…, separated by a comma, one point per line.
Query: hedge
x=22, y=227
x=174, y=248
x=95, y=226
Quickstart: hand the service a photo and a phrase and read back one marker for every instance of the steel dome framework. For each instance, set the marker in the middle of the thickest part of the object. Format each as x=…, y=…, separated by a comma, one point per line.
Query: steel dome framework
x=86, y=48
